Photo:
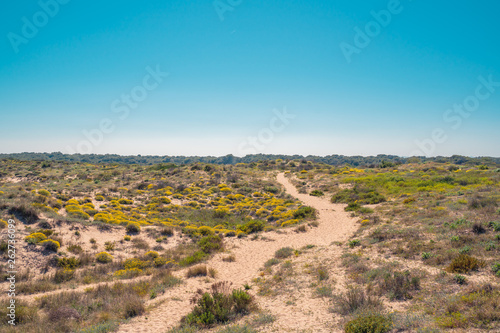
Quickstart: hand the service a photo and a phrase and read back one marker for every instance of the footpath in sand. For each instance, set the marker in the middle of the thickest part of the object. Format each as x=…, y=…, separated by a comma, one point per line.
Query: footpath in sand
x=334, y=225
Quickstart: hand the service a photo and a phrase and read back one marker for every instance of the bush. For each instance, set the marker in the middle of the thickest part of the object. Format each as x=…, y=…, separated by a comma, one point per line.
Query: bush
x=465, y=263
x=104, y=257
x=283, y=253
x=210, y=244
x=369, y=323
x=200, y=270
x=252, y=226
x=478, y=228
x=50, y=245
x=133, y=228
x=304, y=212
x=133, y=307
x=219, y=306
x=317, y=193
x=496, y=268
x=354, y=300
x=69, y=263
x=399, y=285
x=460, y=279
x=63, y=275
x=35, y=238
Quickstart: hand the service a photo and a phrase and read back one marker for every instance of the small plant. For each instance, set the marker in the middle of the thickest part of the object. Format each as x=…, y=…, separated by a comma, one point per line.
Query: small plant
x=369, y=323
x=496, y=268
x=109, y=246
x=460, y=279
x=104, y=257
x=426, y=255
x=478, y=228
x=354, y=243
x=283, y=253
x=93, y=241
x=271, y=262
x=127, y=238
x=317, y=193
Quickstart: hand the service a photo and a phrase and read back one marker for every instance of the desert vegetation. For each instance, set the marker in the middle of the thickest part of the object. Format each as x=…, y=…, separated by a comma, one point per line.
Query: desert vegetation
x=100, y=242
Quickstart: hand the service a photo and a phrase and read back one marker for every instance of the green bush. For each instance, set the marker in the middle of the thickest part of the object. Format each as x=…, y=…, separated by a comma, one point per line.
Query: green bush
x=283, y=253
x=219, y=306
x=496, y=268
x=369, y=323
x=197, y=257
x=317, y=193
x=304, y=212
x=210, y=244
x=252, y=226
x=69, y=263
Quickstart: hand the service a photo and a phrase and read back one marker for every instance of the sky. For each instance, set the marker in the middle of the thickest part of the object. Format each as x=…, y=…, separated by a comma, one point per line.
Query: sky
x=241, y=77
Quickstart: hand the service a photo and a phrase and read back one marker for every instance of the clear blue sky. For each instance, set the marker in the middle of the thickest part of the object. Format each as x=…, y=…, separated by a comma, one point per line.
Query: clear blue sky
x=230, y=66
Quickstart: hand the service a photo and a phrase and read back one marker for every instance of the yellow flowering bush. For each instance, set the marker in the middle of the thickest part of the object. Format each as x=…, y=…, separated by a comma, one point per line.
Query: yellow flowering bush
x=35, y=238
x=45, y=193
x=50, y=244
x=104, y=257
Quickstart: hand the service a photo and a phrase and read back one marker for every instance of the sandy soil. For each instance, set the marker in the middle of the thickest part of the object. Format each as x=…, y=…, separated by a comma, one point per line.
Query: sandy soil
x=310, y=314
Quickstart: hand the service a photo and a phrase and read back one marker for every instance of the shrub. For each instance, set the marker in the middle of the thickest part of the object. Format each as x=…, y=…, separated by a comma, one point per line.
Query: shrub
x=50, y=245
x=354, y=243
x=63, y=275
x=218, y=306
x=109, y=246
x=354, y=300
x=193, y=259
x=200, y=270
x=399, y=285
x=127, y=238
x=304, y=212
x=369, y=323
x=496, y=268
x=252, y=226
x=35, y=238
x=317, y=193
x=210, y=244
x=133, y=307
x=152, y=254
x=460, y=279
x=425, y=255
x=271, y=262
x=478, y=228
x=352, y=207
x=133, y=228
x=283, y=253
x=69, y=263
x=104, y=257
x=464, y=263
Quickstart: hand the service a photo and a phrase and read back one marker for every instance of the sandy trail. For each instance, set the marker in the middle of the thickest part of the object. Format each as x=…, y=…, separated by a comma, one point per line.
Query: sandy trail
x=334, y=225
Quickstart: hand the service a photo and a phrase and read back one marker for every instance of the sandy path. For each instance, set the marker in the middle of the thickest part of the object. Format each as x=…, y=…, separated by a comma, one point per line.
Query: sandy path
x=334, y=225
